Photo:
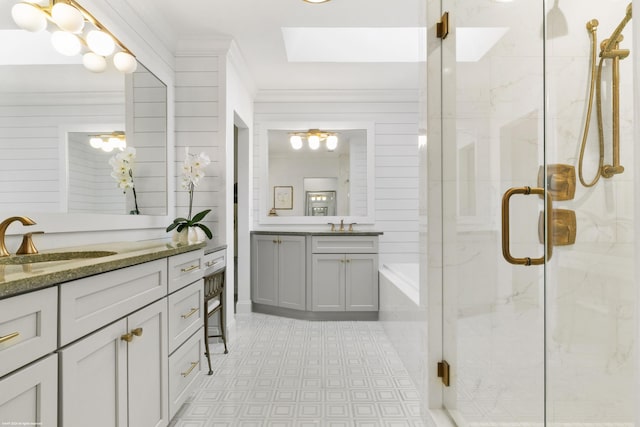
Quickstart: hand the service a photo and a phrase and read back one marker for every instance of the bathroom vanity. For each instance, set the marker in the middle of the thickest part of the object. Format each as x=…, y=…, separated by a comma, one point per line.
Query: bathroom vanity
x=112, y=340
x=315, y=275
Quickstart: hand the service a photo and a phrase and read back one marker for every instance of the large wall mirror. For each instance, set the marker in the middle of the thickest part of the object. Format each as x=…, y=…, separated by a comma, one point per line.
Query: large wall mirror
x=50, y=109
x=304, y=185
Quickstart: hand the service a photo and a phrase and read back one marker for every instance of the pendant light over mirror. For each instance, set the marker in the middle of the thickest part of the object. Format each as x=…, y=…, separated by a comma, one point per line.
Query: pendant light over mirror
x=74, y=30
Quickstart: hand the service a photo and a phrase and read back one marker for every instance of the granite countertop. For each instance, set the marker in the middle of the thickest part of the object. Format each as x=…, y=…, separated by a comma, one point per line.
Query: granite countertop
x=21, y=278
x=319, y=233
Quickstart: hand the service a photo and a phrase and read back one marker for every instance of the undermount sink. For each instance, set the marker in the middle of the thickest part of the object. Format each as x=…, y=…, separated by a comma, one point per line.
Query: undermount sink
x=53, y=256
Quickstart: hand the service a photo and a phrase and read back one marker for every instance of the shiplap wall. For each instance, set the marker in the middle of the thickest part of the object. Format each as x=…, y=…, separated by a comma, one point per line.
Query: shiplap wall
x=91, y=187
x=147, y=132
x=197, y=127
x=396, y=157
x=30, y=125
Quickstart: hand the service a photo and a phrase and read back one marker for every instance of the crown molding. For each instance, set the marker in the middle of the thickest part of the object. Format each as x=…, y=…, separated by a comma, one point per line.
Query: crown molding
x=348, y=95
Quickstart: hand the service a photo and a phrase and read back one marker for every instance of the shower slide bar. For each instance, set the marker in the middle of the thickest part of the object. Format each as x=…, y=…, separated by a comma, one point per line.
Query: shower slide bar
x=609, y=49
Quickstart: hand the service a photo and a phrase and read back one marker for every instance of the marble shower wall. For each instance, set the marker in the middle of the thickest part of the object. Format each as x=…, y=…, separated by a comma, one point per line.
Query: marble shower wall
x=591, y=299
x=485, y=140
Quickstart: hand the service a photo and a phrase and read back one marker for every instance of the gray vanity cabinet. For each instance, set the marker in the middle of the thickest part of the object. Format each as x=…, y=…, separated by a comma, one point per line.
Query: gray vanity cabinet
x=279, y=270
x=344, y=273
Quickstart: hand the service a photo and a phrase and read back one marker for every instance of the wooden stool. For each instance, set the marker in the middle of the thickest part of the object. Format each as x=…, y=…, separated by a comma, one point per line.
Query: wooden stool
x=214, y=303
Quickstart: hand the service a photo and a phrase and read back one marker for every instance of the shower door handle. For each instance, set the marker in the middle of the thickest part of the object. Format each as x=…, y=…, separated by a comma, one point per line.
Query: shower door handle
x=506, y=252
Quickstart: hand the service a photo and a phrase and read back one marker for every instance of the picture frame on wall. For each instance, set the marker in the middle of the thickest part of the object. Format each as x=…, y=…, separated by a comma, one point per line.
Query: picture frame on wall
x=283, y=197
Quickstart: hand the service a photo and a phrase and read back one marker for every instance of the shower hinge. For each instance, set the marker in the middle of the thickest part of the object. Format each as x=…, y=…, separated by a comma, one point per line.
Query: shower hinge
x=442, y=28
x=443, y=372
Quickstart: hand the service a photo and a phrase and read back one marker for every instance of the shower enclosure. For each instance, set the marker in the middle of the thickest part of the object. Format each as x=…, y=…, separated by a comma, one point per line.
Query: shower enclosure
x=530, y=276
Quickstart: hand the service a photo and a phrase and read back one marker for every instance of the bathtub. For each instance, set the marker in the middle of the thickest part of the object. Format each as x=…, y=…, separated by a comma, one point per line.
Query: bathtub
x=405, y=277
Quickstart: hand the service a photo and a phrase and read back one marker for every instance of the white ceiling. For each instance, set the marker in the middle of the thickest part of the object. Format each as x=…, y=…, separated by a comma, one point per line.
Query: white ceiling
x=256, y=26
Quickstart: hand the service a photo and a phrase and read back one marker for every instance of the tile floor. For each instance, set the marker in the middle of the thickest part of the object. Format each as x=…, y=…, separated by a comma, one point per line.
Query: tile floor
x=286, y=372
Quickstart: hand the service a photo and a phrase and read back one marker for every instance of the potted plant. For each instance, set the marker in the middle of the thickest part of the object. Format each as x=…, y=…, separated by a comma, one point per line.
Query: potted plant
x=192, y=172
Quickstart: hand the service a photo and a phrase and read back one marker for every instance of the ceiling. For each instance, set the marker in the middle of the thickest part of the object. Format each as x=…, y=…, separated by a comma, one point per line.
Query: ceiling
x=256, y=26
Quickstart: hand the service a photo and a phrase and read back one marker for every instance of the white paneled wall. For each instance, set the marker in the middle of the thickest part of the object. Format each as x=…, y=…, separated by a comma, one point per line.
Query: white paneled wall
x=91, y=187
x=197, y=127
x=147, y=109
x=396, y=155
x=31, y=126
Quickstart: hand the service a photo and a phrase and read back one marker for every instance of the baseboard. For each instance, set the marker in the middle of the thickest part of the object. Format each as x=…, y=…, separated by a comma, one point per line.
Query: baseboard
x=315, y=315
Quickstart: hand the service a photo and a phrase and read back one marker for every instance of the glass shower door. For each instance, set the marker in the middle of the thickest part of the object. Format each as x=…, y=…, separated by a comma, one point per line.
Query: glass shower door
x=539, y=293
x=493, y=141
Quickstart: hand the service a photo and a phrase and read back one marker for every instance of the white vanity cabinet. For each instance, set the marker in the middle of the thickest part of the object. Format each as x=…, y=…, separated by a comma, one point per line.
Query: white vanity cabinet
x=116, y=375
x=186, y=323
x=29, y=396
x=29, y=382
x=278, y=273
x=344, y=271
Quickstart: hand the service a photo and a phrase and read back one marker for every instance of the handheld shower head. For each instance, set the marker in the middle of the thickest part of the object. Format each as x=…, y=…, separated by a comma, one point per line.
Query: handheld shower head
x=611, y=41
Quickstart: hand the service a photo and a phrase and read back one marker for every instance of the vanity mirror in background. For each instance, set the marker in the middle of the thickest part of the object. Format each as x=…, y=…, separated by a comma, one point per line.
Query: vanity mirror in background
x=329, y=179
x=50, y=107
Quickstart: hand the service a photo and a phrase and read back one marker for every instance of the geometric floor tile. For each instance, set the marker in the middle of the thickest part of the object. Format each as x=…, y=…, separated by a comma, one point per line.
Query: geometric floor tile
x=288, y=372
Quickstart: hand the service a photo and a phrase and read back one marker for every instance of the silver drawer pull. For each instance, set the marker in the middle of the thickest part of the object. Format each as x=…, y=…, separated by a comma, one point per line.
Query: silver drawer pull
x=193, y=366
x=191, y=313
x=190, y=268
x=9, y=337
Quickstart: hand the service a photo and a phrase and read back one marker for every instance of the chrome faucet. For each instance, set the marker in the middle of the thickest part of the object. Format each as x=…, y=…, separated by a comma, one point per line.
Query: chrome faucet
x=3, y=229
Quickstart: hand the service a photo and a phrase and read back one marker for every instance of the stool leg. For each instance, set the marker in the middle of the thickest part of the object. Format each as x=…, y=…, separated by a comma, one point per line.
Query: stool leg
x=206, y=337
x=222, y=328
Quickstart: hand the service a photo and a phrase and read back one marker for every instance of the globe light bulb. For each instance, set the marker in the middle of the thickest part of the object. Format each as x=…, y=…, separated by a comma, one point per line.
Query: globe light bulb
x=296, y=142
x=94, y=62
x=66, y=43
x=100, y=42
x=67, y=17
x=125, y=62
x=314, y=142
x=332, y=142
x=95, y=142
x=29, y=17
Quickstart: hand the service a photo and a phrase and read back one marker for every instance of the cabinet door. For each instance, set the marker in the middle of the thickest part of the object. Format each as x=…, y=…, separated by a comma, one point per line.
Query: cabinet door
x=362, y=282
x=94, y=379
x=29, y=396
x=328, y=282
x=147, y=357
x=264, y=274
x=292, y=272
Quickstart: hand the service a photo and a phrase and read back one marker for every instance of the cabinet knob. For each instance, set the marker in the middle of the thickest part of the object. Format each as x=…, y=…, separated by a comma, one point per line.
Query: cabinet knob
x=275, y=241
x=137, y=332
x=127, y=337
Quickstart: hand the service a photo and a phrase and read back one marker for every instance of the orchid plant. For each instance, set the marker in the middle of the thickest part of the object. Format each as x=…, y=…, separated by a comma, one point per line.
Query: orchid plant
x=192, y=173
x=122, y=164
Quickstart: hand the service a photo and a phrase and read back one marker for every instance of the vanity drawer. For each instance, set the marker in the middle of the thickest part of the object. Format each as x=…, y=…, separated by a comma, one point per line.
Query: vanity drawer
x=185, y=367
x=90, y=303
x=185, y=313
x=184, y=269
x=28, y=328
x=344, y=244
x=215, y=261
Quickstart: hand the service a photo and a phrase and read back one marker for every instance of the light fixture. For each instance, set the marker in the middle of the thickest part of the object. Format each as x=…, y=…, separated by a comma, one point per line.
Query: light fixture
x=314, y=137
x=108, y=142
x=317, y=1
x=70, y=36
x=296, y=142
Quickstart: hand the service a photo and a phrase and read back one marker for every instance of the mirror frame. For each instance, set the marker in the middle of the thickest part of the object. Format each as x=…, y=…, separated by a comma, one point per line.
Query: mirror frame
x=264, y=201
